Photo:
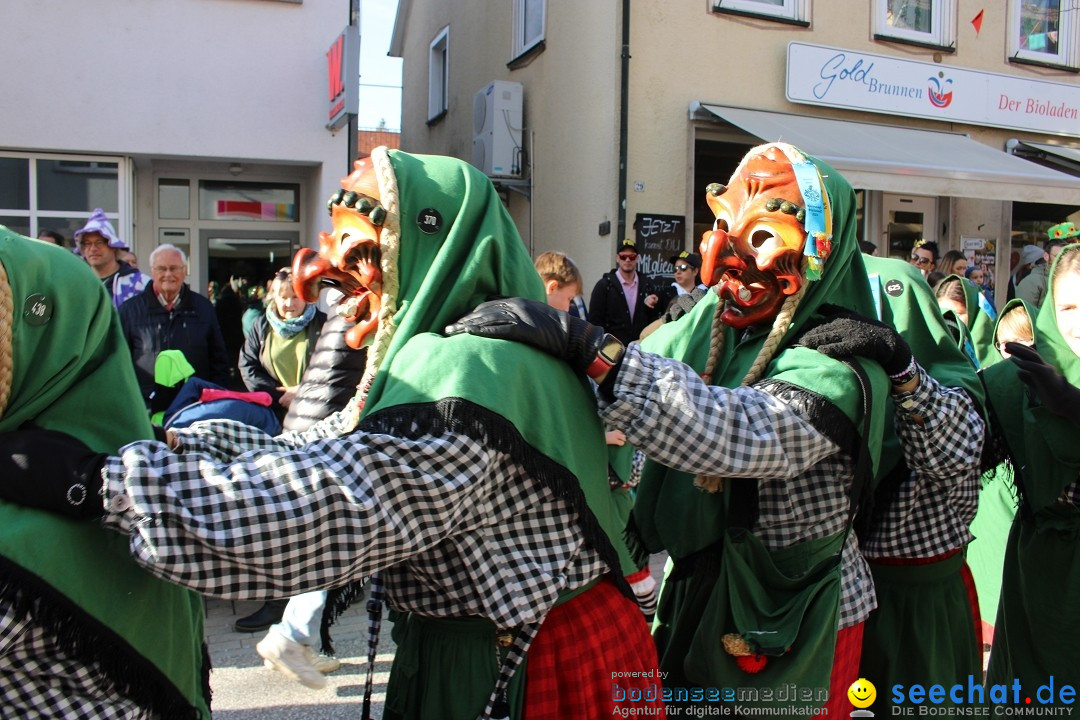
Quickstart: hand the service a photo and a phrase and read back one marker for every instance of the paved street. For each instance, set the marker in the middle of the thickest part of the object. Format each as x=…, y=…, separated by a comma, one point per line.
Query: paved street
x=244, y=689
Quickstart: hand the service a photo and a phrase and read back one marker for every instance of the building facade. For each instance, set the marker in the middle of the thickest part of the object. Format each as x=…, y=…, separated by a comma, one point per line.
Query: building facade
x=203, y=125
x=955, y=121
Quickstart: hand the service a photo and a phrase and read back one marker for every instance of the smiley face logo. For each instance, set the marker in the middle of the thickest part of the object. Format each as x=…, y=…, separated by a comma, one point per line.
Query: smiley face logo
x=862, y=693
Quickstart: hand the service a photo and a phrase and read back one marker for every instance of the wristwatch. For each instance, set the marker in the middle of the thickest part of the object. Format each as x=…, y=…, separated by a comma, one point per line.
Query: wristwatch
x=610, y=352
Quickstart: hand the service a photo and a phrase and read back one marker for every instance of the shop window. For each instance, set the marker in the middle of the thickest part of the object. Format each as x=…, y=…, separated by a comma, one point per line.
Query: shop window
x=14, y=183
x=1044, y=32
x=174, y=199
x=796, y=11
x=65, y=191
x=439, y=76
x=529, y=20
x=258, y=202
x=931, y=23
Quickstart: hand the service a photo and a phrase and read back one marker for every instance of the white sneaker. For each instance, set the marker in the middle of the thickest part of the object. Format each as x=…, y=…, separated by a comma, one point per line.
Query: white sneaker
x=292, y=659
x=323, y=663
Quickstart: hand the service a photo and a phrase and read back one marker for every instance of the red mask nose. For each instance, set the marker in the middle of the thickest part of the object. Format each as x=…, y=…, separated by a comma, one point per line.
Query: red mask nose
x=308, y=268
x=712, y=246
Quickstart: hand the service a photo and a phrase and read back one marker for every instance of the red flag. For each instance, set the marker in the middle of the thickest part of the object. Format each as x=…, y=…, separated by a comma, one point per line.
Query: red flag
x=977, y=22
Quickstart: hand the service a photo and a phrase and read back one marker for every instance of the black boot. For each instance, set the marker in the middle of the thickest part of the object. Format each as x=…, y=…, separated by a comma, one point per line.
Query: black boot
x=269, y=614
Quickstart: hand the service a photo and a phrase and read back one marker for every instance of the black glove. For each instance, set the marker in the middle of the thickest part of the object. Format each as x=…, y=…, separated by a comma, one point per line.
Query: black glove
x=846, y=333
x=534, y=323
x=52, y=471
x=1056, y=394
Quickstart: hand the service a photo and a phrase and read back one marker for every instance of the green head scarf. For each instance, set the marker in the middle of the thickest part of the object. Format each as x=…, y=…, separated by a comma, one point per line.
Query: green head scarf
x=994, y=356
x=981, y=318
x=1042, y=445
x=64, y=366
x=508, y=395
x=907, y=303
x=670, y=512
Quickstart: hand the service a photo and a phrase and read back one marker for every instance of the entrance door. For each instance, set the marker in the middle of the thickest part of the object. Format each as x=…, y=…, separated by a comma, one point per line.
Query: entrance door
x=908, y=218
x=256, y=253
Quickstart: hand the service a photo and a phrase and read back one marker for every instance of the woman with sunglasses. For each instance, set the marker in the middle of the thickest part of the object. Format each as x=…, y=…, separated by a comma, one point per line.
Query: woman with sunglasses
x=279, y=344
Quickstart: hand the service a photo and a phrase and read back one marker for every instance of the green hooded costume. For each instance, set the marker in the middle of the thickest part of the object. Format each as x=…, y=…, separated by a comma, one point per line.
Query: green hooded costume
x=717, y=585
x=507, y=395
x=981, y=319
x=64, y=366
x=997, y=508
x=1037, y=631
x=923, y=630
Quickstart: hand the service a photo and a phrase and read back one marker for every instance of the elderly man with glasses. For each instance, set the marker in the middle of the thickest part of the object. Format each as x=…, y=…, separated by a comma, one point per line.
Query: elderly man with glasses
x=169, y=315
x=624, y=301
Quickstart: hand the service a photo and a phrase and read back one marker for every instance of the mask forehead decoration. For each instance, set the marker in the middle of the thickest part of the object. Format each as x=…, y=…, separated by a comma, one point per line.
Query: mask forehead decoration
x=349, y=258
x=773, y=213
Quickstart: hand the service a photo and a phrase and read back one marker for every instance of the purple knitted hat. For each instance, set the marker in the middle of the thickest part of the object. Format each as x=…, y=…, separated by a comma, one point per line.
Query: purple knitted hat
x=100, y=224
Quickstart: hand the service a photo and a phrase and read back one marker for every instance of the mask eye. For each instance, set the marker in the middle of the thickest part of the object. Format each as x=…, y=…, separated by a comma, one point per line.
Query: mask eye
x=721, y=223
x=764, y=238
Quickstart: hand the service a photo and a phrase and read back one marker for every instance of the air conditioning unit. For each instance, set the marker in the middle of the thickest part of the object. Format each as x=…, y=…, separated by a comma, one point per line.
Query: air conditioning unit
x=497, y=120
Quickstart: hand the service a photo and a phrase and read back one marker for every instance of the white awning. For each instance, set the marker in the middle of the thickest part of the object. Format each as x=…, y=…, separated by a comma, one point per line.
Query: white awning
x=1066, y=159
x=906, y=160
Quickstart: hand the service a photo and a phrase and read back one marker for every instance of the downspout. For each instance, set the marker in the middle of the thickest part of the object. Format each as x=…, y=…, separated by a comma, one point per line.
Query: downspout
x=624, y=112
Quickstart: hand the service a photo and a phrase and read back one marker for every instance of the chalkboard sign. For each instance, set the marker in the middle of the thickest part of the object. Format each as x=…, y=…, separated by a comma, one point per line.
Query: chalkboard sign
x=658, y=237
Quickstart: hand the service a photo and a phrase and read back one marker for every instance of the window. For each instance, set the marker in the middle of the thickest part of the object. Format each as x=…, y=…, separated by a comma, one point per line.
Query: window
x=529, y=20
x=797, y=11
x=439, y=75
x=51, y=192
x=1044, y=32
x=920, y=22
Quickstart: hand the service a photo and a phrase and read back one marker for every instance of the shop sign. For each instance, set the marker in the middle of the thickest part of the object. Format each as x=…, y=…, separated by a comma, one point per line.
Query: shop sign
x=834, y=77
x=343, y=76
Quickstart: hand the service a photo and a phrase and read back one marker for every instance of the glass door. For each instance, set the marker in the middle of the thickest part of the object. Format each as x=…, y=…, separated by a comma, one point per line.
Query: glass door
x=908, y=218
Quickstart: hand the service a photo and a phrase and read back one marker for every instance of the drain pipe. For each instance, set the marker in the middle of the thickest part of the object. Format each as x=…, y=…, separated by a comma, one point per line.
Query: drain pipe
x=624, y=112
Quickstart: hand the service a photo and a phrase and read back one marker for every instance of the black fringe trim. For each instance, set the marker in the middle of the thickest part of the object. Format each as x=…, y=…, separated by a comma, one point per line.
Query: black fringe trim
x=460, y=416
x=338, y=601
x=112, y=661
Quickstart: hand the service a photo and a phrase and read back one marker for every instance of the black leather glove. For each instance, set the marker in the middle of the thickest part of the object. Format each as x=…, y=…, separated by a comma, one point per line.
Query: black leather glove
x=1056, y=394
x=845, y=334
x=52, y=471
x=537, y=324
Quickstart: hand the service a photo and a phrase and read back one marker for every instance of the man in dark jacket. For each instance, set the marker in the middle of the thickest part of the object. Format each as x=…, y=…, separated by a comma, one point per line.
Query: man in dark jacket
x=168, y=315
x=610, y=306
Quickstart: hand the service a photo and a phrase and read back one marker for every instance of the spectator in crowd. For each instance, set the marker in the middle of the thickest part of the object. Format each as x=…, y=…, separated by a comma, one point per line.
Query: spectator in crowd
x=230, y=306
x=255, y=305
x=953, y=262
x=980, y=278
x=924, y=255
x=1032, y=289
x=278, y=346
x=687, y=288
x=128, y=257
x=98, y=244
x=624, y=301
x=169, y=315
x=1029, y=255
x=562, y=279
x=51, y=236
